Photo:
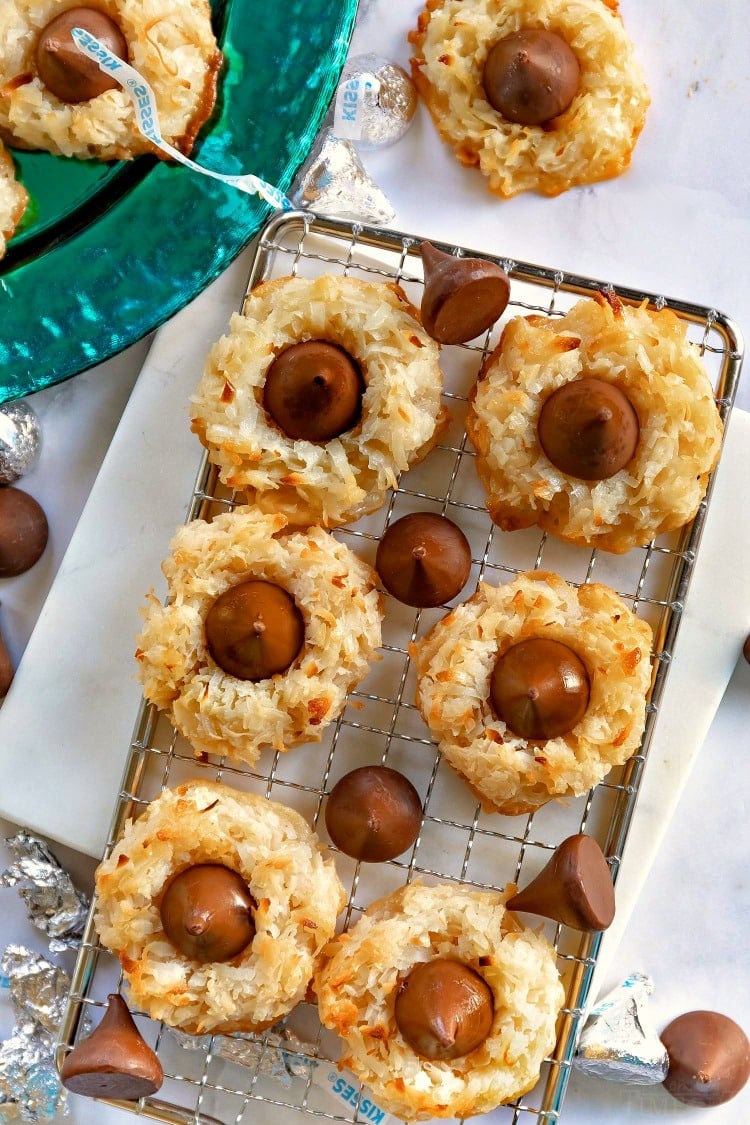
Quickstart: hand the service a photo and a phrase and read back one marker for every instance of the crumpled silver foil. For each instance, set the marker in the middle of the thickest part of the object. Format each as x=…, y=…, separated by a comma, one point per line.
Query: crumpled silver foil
x=279, y=1054
x=30, y=1089
x=375, y=102
x=333, y=181
x=618, y=1041
x=19, y=440
x=52, y=902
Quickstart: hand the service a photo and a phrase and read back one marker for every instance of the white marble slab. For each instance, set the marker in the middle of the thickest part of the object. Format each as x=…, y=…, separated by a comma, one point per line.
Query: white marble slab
x=79, y=658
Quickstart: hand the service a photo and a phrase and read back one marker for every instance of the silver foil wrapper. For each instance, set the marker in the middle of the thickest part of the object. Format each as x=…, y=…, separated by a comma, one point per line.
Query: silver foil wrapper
x=278, y=1054
x=334, y=182
x=19, y=440
x=375, y=102
x=52, y=902
x=618, y=1041
x=29, y=1086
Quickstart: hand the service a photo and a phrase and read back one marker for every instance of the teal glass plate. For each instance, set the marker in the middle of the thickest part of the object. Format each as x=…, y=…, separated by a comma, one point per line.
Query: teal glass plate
x=107, y=252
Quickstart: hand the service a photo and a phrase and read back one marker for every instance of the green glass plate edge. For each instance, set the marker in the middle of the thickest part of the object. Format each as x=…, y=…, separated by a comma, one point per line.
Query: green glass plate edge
x=89, y=293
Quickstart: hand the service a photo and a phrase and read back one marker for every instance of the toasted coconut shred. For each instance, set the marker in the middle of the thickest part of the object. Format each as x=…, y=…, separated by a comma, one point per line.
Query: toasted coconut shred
x=337, y=481
x=13, y=199
x=170, y=42
x=648, y=356
x=360, y=972
x=335, y=592
x=592, y=140
x=288, y=871
x=454, y=664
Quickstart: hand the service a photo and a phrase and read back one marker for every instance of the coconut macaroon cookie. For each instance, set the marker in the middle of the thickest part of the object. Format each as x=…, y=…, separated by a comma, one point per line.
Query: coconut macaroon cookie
x=535, y=689
x=263, y=635
x=445, y=1004
x=218, y=904
x=599, y=426
x=322, y=393
x=541, y=95
x=56, y=99
x=13, y=199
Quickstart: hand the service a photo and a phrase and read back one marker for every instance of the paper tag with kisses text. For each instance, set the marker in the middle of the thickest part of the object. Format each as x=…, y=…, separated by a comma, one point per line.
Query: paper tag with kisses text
x=147, y=118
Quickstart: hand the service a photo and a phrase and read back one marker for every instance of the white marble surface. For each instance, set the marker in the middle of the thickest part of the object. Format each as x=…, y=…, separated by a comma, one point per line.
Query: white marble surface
x=677, y=223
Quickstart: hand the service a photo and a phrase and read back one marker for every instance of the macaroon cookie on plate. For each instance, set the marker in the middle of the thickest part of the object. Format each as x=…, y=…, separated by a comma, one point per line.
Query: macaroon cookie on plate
x=143, y=236
x=456, y=840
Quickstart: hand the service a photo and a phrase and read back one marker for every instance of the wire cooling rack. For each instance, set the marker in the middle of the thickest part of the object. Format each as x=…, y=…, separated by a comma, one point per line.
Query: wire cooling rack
x=291, y=1070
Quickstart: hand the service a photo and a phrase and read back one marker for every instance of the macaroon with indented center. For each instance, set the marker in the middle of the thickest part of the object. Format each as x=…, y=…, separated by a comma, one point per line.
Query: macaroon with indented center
x=218, y=904
x=535, y=689
x=58, y=100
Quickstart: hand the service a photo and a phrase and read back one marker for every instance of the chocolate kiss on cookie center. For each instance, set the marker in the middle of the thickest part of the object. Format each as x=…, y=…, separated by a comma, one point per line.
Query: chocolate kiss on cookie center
x=254, y=630
x=114, y=1061
x=539, y=688
x=208, y=913
x=66, y=72
x=463, y=297
x=574, y=887
x=443, y=1009
x=313, y=391
x=531, y=76
x=588, y=429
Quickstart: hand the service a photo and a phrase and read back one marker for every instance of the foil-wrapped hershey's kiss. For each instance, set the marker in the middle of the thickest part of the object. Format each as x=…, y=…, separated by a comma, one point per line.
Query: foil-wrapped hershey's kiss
x=375, y=102
x=333, y=181
x=52, y=901
x=20, y=440
x=619, y=1042
x=30, y=1089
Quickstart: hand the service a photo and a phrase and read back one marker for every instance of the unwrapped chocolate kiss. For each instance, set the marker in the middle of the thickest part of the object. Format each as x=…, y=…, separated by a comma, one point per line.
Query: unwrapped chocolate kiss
x=575, y=887
x=114, y=1061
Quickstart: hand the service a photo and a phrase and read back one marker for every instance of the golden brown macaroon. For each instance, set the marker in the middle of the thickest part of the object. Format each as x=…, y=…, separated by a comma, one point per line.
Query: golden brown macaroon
x=13, y=199
x=215, y=710
x=455, y=661
x=335, y=481
x=647, y=356
x=170, y=42
x=288, y=872
x=361, y=972
x=591, y=140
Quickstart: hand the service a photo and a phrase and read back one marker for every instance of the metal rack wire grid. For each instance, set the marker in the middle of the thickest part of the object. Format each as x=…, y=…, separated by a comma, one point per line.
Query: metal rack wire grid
x=291, y=1070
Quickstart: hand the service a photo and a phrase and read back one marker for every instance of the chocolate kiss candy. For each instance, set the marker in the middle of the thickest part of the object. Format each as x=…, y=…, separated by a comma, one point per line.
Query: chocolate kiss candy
x=313, y=391
x=574, y=888
x=444, y=1009
x=254, y=630
x=66, y=72
x=709, y=1058
x=114, y=1061
x=531, y=76
x=588, y=429
x=23, y=531
x=6, y=668
x=208, y=913
x=462, y=296
x=373, y=813
x=539, y=688
x=423, y=559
